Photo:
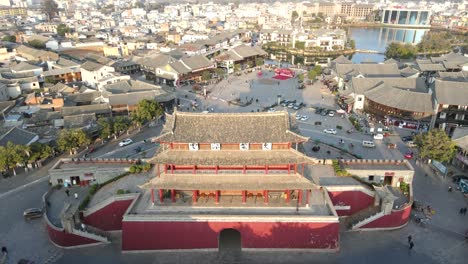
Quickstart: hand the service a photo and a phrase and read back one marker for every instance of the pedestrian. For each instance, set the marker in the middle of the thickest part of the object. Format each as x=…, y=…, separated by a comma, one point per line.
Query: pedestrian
x=83, y=227
x=461, y=211
x=410, y=238
x=67, y=192
x=4, y=251
x=411, y=245
x=76, y=195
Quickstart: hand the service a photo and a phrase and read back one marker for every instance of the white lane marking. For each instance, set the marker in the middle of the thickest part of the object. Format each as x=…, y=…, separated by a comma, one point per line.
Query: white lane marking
x=23, y=186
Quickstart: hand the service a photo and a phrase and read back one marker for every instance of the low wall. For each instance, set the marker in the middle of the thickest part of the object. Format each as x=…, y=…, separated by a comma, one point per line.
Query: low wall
x=349, y=202
x=153, y=235
x=108, y=214
x=58, y=236
x=396, y=219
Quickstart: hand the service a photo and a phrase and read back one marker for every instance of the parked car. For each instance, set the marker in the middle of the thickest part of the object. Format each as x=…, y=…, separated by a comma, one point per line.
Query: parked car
x=318, y=123
x=324, y=112
x=318, y=110
x=378, y=136
x=284, y=103
x=409, y=155
x=32, y=213
x=407, y=138
x=315, y=148
x=271, y=110
x=298, y=117
x=304, y=118
x=291, y=105
x=368, y=144
x=125, y=142
x=411, y=144
x=329, y=131
x=457, y=178
x=331, y=113
x=297, y=106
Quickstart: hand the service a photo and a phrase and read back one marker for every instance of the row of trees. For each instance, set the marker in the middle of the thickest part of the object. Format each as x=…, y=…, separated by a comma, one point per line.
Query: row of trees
x=431, y=42
x=12, y=156
x=435, y=144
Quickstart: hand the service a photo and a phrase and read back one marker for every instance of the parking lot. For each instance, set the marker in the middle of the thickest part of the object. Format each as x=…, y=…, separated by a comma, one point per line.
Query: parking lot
x=256, y=93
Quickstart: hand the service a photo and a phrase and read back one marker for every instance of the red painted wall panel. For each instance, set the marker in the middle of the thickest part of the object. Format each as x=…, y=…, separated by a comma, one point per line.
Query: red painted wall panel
x=198, y=235
x=356, y=199
x=395, y=219
x=67, y=240
x=110, y=217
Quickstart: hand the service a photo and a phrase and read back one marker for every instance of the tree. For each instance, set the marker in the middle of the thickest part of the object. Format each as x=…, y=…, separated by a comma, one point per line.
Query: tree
x=37, y=44
x=317, y=69
x=71, y=139
x=219, y=72
x=50, y=79
x=206, y=75
x=39, y=151
x=300, y=45
x=435, y=41
x=12, y=155
x=259, y=61
x=352, y=44
x=50, y=8
x=398, y=50
x=336, y=47
x=146, y=111
x=237, y=68
x=9, y=38
x=120, y=124
x=436, y=145
x=311, y=75
x=300, y=77
x=62, y=29
x=106, y=128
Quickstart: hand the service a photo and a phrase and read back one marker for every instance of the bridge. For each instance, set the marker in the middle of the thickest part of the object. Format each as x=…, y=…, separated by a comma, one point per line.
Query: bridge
x=369, y=51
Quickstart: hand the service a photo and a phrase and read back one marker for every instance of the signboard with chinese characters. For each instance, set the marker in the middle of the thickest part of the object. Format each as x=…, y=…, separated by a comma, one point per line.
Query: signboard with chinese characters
x=244, y=146
x=267, y=146
x=193, y=146
x=215, y=146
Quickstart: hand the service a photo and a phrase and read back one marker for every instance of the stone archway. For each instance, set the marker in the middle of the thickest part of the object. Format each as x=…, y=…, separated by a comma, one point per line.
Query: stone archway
x=229, y=240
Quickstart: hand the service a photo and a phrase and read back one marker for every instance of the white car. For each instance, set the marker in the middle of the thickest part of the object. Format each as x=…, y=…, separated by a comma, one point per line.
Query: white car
x=331, y=113
x=291, y=105
x=271, y=110
x=304, y=118
x=378, y=136
x=329, y=131
x=298, y=117
x=125, y=142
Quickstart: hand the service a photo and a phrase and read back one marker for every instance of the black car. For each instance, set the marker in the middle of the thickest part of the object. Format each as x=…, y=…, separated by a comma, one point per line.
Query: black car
x=315, y=148
x=457, y=178
x=407, y=138
x=318, y=110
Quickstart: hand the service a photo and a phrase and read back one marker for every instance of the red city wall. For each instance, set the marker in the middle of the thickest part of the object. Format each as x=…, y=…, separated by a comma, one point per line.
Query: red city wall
x=396, y=219
x=198, y=235
x=356, y=199
x=60, y=238
x=109, y=218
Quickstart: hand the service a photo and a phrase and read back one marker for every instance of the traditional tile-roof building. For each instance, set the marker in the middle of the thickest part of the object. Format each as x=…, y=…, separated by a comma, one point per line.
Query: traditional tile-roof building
x=18, y=136
x=460, y=137
x=210, y=180
x=241, y=55
x=451, y=105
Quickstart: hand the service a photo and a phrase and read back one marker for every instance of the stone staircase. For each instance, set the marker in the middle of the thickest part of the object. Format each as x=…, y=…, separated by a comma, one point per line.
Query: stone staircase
x=357, y=219
x=93, y=233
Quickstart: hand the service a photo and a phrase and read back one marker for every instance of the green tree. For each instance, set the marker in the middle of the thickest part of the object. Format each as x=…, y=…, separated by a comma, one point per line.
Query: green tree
x=237, y=68
x=317, y=69
x=206, y=76
x=435, y=41
x=37, y=44
x=106, y=128
x=72, y=139
x=9, y=38
x=398, y=50
x=352, y=44
x=300, y=77
x=62, y=29
x=259, y=61
x=146, y=111
x=50, y=8
x=50, y=79
x=121, y=124
x=436, y=145
x=39, y=151
x=12, y=155
x=219, y=72
x=311, y=75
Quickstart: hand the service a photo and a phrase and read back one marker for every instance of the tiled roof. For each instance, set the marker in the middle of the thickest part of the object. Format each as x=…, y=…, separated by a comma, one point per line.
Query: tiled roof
x=229, y=128
x=77, y=121
x=85, y=109
x=197, y=62
x=460, y=137
x=431, y=67
x=368, y=70
x=453, y=76
x=24, y=66
x=91, y=66
x=134, y=98
x=18, y=136
x=130, y=86
x=452, y=93
x=180, y=67
x=361, y=85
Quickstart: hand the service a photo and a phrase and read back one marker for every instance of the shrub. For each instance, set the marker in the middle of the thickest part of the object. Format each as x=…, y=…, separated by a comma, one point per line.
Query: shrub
x=146, y=167
x=338, y=170
x=120, y=191
x=84, y=203
x=404, y=187
x=132, y=169
x=93, y=189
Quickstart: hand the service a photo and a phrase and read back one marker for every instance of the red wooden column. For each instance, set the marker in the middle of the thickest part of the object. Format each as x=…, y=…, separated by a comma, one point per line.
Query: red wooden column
x=161, y=195
x=289, y=168
x=288, y=196
x=303, y=165
x=265, y=197
x=194, y=197
x=244, y=169
x=173, y=195
x=194, y=169
x=152, y=195
x=217, y=168
x=266, y=169
x=307, y=197
x=244, y=197
x=299, y=197
x=172, y=168
x=217, y=197
x=165, y=168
